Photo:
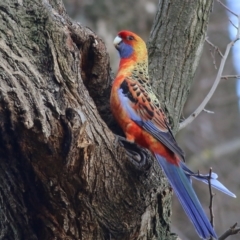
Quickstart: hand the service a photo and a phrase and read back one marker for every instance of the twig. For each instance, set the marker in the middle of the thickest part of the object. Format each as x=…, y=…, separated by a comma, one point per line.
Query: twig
x=231, y=231
x=214, y=46
x=228, y=9
x=216, y=82
x=208, y=111
x=233, y=24
x=211, y=198
x=230, y=76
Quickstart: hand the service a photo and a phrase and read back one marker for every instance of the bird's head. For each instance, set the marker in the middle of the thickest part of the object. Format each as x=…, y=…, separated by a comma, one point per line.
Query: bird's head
x=130, y=45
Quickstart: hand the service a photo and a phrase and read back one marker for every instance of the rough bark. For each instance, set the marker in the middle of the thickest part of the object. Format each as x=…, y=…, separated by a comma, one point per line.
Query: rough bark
x=61, y=175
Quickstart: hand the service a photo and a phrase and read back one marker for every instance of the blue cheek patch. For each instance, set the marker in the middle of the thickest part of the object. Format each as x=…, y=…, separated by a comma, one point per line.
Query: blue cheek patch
x=125, y=50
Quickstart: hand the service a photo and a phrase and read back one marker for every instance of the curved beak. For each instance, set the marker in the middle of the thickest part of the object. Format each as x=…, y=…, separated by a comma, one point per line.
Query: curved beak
x=117, y=41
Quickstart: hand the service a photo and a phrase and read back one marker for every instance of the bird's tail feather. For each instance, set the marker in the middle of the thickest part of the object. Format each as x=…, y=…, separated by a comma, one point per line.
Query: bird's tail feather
x=204, y=178
x=187, y=197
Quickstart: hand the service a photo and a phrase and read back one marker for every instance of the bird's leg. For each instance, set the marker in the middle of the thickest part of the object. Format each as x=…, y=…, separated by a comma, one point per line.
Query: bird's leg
x=137, y=155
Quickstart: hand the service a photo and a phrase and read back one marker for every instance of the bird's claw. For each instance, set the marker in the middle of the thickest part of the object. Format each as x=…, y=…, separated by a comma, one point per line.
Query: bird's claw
x=138, y=156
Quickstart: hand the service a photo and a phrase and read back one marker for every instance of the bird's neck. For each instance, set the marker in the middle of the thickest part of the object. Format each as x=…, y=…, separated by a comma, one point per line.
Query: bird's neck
x=131, y=67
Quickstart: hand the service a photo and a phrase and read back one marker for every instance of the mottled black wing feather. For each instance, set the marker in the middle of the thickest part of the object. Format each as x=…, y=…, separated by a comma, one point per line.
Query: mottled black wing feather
x=144, y=109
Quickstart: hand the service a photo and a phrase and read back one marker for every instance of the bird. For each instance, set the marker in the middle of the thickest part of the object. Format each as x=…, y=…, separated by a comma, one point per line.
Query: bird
x=139, y=113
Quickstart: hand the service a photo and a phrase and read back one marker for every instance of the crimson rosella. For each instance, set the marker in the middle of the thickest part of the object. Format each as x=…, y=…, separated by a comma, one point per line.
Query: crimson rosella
x=138, y=112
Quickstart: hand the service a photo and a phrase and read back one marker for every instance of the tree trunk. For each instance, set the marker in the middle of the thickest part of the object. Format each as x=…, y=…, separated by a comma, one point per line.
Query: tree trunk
x=61, y=174
x=175, y=47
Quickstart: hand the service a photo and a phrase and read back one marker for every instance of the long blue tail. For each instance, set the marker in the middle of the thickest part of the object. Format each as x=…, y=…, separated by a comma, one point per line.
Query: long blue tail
x=204, y=178
x=183, y=189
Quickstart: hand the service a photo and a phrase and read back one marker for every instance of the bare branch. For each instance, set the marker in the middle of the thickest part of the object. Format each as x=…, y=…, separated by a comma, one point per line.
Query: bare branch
x=231, y=231
x=211, y=92
x=216, y=82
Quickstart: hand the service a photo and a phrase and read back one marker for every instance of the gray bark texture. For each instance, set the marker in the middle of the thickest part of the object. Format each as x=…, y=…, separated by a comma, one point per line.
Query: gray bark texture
x=175, y=47
x=61, y=174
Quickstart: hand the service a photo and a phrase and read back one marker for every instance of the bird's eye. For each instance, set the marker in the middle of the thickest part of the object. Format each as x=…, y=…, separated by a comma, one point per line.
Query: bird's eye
x=130, y=38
